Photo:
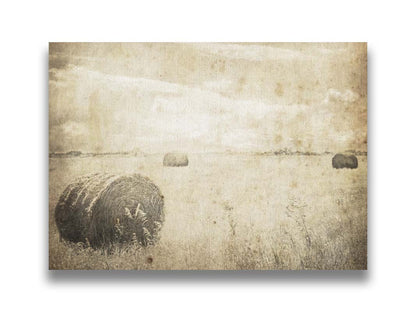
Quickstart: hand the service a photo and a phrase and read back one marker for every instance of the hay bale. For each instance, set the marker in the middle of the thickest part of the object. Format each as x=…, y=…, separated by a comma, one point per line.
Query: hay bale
x=175, y=160
x=105, y=209
x=344, y=161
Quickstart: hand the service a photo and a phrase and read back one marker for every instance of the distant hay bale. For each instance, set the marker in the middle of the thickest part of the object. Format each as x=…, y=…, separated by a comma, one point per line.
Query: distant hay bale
x=344, y=161
x=175, y=160
x=104, y=209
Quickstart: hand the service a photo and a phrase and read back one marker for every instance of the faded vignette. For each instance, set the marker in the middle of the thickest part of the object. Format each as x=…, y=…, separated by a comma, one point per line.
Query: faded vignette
x=208, y=156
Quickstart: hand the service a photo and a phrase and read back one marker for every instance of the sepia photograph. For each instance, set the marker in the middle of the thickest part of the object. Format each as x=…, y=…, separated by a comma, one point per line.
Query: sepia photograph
x=208, y=156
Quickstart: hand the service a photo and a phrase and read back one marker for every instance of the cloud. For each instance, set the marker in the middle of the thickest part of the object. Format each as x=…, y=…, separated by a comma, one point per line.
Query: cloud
x=346, y=96
x=250, y=52
x=137, y=109
x=261, y=52
x=220, y=86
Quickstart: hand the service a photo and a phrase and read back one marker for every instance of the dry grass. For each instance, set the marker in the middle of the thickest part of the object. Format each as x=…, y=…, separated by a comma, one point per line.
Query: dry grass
x=269, y=213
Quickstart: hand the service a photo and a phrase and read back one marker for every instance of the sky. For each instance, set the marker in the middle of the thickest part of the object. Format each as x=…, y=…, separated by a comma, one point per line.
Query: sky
x=207, y=97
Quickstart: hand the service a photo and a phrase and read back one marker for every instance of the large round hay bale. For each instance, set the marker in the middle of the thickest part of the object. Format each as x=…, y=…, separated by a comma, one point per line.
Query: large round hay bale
x=344, y=161
x=175, y=160
x=104, y=209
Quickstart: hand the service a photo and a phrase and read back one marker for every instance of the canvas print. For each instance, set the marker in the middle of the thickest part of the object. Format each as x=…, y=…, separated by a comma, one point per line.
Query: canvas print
x=208, y=156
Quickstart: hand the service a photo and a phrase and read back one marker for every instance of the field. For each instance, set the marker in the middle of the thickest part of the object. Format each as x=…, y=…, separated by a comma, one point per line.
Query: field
x=232, y=212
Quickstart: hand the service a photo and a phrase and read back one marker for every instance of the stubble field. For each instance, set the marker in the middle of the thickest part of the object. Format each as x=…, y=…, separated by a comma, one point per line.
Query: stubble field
x=232, y=212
